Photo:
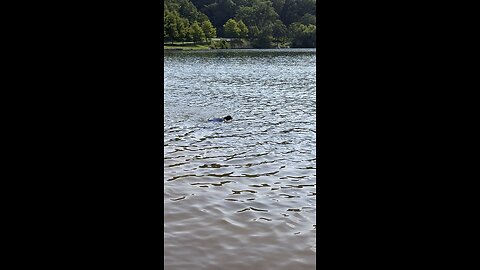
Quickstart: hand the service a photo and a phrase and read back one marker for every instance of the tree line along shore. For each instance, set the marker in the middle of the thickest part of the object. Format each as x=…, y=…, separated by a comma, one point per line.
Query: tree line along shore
x=224, y=24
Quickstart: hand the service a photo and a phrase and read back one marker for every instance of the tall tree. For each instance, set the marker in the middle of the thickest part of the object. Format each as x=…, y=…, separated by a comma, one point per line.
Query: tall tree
x=197, y=32
x=230, y=29
x=302, y=35
x=209, y=30
x=182, y=29
x=253, y=32
x=261, y=15
x=243, y=29
x=171, y=30
x=279, y=32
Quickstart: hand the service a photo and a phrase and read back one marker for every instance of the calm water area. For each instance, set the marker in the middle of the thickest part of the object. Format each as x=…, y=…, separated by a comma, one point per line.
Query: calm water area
x=241, y=194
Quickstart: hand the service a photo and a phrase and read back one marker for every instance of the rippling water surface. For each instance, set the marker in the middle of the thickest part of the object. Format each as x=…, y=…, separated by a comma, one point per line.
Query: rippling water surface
x=240, y=195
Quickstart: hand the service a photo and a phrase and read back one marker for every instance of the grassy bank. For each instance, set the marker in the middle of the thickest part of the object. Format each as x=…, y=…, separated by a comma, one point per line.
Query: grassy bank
x=221, y=43
x=187, y=46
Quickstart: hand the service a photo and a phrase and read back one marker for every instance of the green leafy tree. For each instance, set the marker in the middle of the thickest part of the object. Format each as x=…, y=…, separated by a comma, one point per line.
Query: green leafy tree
x=279, y=32
x=164, y=29
x=209, y=30
x=294, y=10
x=188, y=10
x=254, y=32
x=308, y=19
x=302, y=35
x=247, y=15
x=171, y=30
x=243, y=29
x=197, y=32
x=311, y=36
x=203, y=18
x=295, y=32
x=261, y=14
x=264, y=39
x=230, y=29
x=183, y=29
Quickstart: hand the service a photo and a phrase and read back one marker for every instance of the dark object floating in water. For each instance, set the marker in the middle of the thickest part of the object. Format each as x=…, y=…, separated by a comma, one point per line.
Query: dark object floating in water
x=224, y=119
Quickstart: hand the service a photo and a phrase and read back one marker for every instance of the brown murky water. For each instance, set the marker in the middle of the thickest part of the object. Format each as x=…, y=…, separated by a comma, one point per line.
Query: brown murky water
x=240, y=195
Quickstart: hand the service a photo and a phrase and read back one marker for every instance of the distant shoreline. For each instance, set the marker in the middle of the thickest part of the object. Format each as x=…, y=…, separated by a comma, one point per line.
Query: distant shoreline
x=209, y=49
x=204, y=47
x=185, y=47
x=219, y=43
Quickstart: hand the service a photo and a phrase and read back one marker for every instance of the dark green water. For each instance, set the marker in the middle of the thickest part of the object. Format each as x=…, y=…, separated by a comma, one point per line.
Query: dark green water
x=240, y=195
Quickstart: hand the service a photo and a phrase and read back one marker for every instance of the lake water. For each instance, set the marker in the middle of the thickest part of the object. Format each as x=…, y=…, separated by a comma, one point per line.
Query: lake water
x=242, y=194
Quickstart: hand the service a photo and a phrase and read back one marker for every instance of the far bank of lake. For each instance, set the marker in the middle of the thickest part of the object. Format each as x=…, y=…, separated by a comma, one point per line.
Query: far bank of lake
x=220, y=43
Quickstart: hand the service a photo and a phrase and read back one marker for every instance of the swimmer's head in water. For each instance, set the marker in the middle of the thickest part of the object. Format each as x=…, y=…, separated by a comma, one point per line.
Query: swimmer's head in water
x=227, y=118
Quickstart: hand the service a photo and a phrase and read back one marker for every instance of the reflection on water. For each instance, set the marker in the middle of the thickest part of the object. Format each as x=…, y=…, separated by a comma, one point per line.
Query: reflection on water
x=240, y=195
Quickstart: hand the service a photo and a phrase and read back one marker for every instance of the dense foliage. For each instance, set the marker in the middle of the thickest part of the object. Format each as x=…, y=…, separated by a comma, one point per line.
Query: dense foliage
x=264, y=23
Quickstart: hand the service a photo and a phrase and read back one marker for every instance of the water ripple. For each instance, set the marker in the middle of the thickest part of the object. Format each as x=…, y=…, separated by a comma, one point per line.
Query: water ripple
x=251, y=182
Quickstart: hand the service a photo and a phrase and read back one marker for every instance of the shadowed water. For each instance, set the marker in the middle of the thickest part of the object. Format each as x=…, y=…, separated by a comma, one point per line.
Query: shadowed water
x=240, y=195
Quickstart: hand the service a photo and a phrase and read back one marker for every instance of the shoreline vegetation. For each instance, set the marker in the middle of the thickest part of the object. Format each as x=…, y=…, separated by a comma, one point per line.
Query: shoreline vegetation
x=185, y=47
x=239, y=24
x=217, y=43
